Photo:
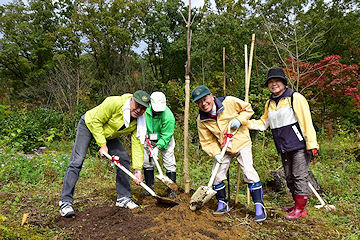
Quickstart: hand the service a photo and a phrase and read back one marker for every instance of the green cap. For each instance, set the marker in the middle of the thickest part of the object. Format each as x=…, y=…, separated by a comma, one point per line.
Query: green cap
x=142, y=98
x=199, y=92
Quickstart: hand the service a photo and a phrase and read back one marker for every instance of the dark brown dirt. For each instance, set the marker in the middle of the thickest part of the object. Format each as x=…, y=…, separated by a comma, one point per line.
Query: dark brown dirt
x=153, y=220
x=97, y=217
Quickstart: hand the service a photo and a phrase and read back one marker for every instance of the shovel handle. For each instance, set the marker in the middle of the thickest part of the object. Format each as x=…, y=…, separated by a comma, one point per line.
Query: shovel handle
x=154, y=158
x=217, y=165
x=157, y=165
x=124, y=169
x=316, y=194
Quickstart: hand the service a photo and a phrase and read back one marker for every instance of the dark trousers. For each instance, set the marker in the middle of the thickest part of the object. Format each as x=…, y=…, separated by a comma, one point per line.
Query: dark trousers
x=296, y=168
x=82, y=141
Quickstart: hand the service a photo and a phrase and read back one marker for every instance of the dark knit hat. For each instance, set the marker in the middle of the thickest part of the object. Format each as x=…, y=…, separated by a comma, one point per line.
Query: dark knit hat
x=276, y=72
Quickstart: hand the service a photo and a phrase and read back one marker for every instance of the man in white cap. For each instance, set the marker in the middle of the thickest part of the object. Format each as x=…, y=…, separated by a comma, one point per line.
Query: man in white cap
x=160, y=124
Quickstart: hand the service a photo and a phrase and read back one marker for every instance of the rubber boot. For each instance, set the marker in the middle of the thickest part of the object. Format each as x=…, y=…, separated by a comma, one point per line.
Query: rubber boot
x=257, y=196
x=223, y=206
x=300, y=207
x=172, y=176
x=290, y=208
x=149, y=180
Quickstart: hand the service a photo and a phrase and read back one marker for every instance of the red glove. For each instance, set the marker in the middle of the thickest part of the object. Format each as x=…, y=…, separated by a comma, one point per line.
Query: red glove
x=314, y=151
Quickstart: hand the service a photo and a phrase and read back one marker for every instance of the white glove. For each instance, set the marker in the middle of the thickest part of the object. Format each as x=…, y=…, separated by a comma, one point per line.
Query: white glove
x=218, y=158
x=154, y=152
x=235, y=123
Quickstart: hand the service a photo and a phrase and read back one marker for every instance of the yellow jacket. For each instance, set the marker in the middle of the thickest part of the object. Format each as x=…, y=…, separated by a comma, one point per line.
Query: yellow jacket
x=211, y=132
x=105, y=120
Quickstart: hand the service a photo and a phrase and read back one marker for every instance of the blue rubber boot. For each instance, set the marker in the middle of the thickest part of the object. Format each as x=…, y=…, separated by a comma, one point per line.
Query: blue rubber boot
x=223, y=206
x=257, y=196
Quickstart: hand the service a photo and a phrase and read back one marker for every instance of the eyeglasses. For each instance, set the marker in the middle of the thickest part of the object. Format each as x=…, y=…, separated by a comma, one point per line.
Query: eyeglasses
x=139, y=106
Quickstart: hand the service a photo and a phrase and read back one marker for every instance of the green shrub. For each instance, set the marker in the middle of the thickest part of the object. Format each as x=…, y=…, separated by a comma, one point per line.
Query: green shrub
x=29, y=128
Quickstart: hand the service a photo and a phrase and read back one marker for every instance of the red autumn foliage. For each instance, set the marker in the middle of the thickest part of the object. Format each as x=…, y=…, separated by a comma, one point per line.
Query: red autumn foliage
x=328, y=77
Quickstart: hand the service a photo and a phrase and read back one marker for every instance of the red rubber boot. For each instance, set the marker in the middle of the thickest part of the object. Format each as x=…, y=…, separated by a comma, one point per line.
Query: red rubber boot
x=300, y=205
x=290, y=208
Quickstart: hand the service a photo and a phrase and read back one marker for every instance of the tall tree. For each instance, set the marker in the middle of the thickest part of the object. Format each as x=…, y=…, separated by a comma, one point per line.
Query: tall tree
x=27, y=42
x=163, y=35
x=110, y=29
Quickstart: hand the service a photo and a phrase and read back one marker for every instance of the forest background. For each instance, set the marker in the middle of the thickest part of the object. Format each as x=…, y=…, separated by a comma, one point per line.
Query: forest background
x=60, y=58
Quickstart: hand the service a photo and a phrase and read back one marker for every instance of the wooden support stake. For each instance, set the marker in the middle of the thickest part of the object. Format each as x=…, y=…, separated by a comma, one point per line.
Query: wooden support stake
x=248, y=67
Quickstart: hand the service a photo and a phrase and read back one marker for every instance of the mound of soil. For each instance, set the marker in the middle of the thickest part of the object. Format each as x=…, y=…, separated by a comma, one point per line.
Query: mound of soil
x=154, y=220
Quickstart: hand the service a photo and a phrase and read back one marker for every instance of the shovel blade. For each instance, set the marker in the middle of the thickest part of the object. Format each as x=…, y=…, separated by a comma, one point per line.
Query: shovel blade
x=166, y=200
x=202, y=195
x=167, y=181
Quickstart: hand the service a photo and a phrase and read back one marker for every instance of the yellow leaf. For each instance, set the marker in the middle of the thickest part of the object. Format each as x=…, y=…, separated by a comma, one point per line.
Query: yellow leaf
x=25, y=215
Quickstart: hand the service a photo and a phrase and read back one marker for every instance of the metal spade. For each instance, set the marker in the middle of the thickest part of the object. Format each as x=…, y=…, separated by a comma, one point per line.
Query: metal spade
x=204, y=193
x=115, y=159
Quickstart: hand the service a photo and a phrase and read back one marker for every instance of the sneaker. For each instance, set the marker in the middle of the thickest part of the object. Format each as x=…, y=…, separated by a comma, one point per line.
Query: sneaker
x=126, y=202
x=261, y=212
x=66, y=209
x=223, y=207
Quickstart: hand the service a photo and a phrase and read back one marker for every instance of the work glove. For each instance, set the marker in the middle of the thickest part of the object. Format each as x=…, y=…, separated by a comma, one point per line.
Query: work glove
x=312, y=152
x=235, y=123
x=218, y=158
x=154, y=152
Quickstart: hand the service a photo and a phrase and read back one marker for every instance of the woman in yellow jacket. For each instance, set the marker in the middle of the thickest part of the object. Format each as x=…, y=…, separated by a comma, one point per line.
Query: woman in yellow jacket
x=215, y=115
x=116, y=115
x=288, y=115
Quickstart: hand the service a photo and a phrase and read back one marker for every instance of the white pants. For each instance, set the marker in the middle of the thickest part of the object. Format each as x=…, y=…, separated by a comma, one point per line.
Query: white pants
x=167, y=156
x=244, y=157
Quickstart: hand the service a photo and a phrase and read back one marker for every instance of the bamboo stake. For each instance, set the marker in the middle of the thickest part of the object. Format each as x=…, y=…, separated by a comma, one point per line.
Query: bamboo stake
x=187, y=104
x=224, y=73
x=247, y=86
x=246, y=91
x=250, y=66
x=224, y=88
x=246, y=74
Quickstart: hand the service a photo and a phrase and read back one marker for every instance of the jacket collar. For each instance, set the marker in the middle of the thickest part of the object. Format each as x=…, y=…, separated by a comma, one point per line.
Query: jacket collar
x=287, y=93
x=219, y=108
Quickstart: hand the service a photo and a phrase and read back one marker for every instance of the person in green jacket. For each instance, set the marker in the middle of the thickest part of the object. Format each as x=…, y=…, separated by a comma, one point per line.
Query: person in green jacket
x=116, y=115
x=160, y=124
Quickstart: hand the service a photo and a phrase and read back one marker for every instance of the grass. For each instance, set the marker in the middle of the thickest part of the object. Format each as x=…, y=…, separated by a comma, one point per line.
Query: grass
x=32, y=184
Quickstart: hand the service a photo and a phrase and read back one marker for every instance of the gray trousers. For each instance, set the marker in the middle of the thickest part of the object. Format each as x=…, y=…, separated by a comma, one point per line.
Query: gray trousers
x=167, y=156
x=296, y=168
x=82, y=141
x=244, y=157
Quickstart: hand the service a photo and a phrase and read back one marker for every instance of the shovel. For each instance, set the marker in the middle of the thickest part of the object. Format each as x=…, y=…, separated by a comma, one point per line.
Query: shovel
x=165, y=179
x=326, y=206
x=204, y=193
x=115, y=159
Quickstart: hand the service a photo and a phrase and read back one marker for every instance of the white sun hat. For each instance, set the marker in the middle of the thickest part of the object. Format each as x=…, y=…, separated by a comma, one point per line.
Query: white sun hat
x=158, y=101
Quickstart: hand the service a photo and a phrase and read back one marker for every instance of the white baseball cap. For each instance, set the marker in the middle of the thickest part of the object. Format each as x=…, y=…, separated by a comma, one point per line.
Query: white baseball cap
x=158, y=101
